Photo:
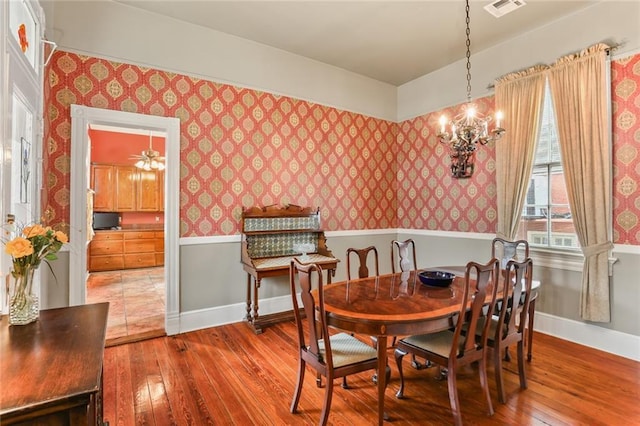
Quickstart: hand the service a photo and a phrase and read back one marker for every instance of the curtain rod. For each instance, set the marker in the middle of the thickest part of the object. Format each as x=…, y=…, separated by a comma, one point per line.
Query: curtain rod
x=609, y=51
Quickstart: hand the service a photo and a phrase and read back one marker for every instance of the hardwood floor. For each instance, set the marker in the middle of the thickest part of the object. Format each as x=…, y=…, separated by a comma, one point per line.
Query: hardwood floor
x=229, y=376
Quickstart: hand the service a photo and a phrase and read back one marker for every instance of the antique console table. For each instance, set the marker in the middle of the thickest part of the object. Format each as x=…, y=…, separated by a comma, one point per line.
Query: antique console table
x=51, y=370
x=271, y=237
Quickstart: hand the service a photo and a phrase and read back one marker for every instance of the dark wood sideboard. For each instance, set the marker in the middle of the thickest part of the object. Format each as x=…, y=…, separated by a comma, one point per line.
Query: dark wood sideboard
x=269, y=235
x=51, y=370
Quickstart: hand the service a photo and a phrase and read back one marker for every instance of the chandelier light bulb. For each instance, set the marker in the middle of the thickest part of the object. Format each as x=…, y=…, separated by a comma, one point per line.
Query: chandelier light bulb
x=471, y=113
x=443, y=123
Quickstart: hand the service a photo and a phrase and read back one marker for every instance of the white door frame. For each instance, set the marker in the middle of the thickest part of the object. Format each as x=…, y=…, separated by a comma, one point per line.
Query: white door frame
x=20, y=81
x=81, y=118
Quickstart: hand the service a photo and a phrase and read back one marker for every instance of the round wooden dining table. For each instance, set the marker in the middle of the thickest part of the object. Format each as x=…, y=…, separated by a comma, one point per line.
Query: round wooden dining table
x=391, y=305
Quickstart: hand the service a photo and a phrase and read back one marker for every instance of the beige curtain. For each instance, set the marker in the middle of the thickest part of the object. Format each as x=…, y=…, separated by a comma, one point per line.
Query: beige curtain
x=519, y=96
x=578, y=87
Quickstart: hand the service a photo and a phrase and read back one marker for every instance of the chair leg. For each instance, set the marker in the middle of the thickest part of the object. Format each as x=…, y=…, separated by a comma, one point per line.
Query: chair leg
x=485, y=383
x=298, y=391
x=453, y=396
x=497, y=361
x=318, y=380
x=417, y=365
x=345, y=385
x=532, y=311
x=398, y=355
x=521, y=372
x=324, y=415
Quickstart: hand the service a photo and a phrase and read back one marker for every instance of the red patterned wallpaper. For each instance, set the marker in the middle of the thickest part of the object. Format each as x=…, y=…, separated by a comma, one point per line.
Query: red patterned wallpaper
x=241, y=147
x=625, y=96
x=428, y=197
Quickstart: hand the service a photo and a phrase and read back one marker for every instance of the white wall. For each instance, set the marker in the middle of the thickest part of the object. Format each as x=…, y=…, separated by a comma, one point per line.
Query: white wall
x=115, y=31
x=614, y=22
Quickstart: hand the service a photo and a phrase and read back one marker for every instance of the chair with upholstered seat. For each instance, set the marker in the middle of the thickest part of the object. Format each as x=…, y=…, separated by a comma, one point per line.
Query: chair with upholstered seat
x=363, y=272
x=509, y=327
x=406, y=261
x=518, y=250
x=403, y=254
x=332, y=356
x=453, y=349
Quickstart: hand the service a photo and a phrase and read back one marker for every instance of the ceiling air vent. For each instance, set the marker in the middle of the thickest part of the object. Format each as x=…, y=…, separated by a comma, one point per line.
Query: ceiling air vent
x=501, y=7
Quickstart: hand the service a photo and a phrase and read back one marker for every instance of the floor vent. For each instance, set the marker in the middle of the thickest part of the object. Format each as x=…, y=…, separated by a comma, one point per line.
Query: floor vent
x=501, y=7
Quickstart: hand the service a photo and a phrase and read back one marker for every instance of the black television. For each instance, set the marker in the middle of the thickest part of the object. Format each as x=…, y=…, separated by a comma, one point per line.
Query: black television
x=106, y=221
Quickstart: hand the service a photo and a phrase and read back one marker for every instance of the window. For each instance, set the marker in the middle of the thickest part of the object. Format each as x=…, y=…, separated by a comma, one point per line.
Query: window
x=546, y=217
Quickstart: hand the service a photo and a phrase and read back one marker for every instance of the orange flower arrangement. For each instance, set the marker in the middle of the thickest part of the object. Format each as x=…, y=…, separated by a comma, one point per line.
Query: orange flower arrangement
x=36, y=243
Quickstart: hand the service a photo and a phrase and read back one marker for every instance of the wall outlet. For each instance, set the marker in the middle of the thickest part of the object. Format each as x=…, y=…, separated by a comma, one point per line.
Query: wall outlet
x=157, y=218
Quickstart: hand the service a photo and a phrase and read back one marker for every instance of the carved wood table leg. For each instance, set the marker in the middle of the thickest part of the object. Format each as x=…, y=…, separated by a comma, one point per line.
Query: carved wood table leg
x=256, y=286
x=249, y=318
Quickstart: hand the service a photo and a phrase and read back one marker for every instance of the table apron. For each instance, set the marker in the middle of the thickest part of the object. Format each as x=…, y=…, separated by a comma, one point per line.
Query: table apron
x=391, y=328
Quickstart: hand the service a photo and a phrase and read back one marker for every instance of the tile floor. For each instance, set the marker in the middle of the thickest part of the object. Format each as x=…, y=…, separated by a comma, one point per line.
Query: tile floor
x=136, y=302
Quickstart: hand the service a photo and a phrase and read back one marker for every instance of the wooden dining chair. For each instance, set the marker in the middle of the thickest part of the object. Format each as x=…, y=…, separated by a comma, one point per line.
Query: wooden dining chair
x=452, y=349
x=363, y=272
x=509, y=327
x=363, y=254
x=332, y=356
x=403, y=254
x=518, y=250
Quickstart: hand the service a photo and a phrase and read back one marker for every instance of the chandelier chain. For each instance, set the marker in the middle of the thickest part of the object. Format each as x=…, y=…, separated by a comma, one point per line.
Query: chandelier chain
x=468, y=54
x=469, y=128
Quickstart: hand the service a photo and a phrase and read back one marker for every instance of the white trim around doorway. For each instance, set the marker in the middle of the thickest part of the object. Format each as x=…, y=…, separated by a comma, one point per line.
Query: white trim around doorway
x=81, y=118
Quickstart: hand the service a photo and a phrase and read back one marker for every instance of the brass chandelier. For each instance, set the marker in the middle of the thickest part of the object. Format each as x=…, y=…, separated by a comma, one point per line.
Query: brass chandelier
x=469, y=128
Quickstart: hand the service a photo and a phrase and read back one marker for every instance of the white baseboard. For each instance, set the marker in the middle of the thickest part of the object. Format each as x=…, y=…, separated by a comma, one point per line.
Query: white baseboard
x=615, y=342
x=220, y=315
x=604, y=339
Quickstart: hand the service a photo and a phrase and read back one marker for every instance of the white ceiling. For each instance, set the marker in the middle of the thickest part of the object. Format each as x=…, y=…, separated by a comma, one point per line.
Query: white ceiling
x=389, y=41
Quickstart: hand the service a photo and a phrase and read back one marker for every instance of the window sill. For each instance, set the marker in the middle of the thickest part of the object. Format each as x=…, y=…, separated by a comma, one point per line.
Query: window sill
x=562, y=259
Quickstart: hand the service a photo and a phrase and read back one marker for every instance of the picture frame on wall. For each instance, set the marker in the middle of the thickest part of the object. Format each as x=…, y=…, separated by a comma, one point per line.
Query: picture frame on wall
x=25, y=169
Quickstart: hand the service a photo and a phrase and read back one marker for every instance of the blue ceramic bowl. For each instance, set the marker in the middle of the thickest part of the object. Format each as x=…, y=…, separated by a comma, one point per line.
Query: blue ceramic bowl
x=436, y=278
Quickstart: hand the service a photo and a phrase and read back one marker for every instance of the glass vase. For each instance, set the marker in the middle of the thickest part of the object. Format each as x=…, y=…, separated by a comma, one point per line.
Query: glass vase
x=23, y=303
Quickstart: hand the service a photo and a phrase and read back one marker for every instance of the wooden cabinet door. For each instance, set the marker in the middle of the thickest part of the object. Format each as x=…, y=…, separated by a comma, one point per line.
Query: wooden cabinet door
x=102, y=182
x=126, y=183
x=160, y=177
x=148, y=194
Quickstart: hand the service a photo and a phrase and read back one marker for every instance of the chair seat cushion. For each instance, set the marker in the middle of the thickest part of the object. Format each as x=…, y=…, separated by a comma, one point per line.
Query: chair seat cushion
x=347, y=349
x=438, y=343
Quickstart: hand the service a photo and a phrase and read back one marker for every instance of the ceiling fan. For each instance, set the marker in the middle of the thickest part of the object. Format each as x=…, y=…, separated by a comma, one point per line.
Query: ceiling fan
x=149, y=159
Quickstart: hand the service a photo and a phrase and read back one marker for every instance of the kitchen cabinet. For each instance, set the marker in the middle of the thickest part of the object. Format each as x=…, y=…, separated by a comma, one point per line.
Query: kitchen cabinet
x=126, y=188
x=149, y=189
x=120, y=188
x=102, y=179
x=126, y=249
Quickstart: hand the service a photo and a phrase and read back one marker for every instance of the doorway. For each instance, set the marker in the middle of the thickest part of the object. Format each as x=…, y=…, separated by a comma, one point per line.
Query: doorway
x=82, y=118
x=126, y=251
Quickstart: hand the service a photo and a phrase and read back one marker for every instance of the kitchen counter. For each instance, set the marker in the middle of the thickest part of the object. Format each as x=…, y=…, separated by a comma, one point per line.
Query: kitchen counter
x=136, y=227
